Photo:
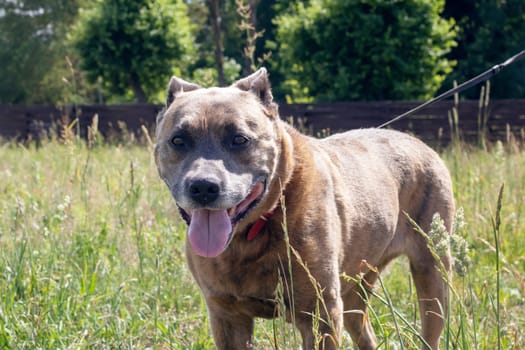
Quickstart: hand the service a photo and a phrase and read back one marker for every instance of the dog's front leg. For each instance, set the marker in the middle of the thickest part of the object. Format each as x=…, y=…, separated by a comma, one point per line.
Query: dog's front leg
x=230, y=332
x=322, y=329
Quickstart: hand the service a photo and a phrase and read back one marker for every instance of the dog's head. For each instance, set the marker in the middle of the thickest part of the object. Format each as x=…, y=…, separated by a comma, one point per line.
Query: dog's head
x=217, y=150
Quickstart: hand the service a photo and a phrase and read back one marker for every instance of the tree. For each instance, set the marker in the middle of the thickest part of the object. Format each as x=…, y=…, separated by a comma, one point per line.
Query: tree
x=490, y=32
x=32, y=49
x=218, y=42
x=267, y=46
x=364, y=49
x=134, y=44
x=215, y=18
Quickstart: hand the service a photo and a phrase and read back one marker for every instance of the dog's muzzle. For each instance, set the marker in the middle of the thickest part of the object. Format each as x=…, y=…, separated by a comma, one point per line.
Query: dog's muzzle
x=210, y=231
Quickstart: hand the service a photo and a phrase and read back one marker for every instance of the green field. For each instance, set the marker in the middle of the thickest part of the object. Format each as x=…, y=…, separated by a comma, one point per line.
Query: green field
x=92, y=256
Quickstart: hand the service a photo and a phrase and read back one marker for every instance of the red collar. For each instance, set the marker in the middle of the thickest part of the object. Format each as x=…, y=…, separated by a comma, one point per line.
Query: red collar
x=258, y=226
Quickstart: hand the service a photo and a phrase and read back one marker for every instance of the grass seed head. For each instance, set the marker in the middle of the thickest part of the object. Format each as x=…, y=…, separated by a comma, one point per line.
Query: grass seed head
x=439, y=235
x=458, y=245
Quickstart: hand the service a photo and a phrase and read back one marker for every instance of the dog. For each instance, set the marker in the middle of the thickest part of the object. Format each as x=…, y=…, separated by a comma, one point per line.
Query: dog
x=265, y=203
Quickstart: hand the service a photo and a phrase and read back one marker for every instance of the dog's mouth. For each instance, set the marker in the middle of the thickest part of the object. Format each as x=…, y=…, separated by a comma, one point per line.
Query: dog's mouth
x=211, y=230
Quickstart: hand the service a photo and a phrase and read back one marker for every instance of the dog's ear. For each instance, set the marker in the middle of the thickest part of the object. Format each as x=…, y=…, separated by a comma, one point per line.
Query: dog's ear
x=176, y=87
x=259, y=84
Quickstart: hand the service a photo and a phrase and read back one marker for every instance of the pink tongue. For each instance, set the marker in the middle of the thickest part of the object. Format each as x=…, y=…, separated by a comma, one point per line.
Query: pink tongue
x=209, y=232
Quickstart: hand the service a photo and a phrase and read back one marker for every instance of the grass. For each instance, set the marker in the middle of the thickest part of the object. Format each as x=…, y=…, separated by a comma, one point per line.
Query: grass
x=92, y=257
x=92, y=253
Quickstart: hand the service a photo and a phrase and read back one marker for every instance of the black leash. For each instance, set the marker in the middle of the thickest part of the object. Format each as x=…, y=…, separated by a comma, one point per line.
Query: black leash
x=466, y=85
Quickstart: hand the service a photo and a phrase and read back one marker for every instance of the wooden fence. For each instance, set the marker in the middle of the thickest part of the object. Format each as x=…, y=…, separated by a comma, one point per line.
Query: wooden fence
x=503, y=119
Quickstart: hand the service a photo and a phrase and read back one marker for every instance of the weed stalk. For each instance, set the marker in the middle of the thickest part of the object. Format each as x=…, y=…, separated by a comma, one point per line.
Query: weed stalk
x=496, y=224
x=290, y=288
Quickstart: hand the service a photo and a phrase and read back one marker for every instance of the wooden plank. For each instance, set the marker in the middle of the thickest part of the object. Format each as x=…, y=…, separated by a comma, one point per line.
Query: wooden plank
x=431, y=124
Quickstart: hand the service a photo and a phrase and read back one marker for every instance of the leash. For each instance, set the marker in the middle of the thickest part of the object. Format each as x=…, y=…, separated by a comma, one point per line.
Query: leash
x=466, y=85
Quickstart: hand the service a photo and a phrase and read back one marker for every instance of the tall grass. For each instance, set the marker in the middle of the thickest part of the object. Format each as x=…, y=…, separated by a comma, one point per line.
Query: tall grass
x=92, y=256
x=91, y=253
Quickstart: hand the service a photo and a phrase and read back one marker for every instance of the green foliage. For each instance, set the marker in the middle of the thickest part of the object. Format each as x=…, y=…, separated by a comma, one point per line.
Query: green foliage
x=119, y=51
x=208, y=76
x=364, y=49
x=32, y=49
x=134, y=44
x=490, y=32
x=202, y=68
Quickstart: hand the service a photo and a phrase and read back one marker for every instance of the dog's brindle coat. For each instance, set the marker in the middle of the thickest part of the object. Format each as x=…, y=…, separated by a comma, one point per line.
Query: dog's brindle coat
x=227, y=159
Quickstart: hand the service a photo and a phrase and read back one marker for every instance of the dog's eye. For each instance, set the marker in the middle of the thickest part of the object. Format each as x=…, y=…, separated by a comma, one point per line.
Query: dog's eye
x=178, y=142
x=239, y=140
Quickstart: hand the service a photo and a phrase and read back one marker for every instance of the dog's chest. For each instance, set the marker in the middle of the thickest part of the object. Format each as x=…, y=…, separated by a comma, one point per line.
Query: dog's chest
x=242, y=283
x=251, y=289
x=248, y=278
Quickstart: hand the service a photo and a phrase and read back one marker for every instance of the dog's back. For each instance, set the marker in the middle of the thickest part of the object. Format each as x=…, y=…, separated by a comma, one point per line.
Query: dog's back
x=378, y=178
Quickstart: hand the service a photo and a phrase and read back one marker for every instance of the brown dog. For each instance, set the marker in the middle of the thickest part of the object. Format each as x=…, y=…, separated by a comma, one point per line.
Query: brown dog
x=228, y=160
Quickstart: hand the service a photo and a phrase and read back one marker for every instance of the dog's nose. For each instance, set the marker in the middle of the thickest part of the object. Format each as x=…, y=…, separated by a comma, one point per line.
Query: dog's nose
x=204, y=191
